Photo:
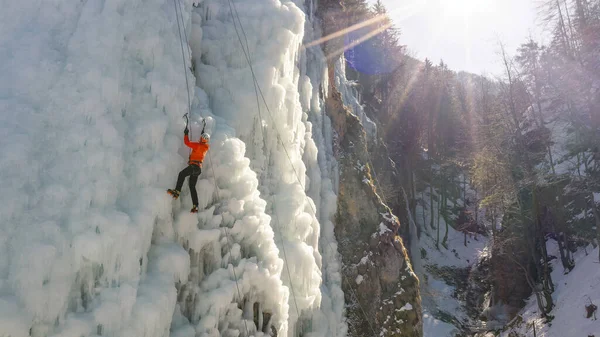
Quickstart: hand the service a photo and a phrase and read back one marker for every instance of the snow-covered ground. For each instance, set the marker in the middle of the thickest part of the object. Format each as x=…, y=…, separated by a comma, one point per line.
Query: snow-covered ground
x=573, y=292
x=91, y=99
x=436, y=294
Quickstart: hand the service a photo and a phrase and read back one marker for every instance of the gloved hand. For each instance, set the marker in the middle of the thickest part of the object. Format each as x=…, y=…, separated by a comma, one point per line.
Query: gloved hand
x=186, y=131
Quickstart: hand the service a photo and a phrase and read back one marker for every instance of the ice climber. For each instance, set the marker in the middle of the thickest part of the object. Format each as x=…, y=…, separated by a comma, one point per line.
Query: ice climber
x=194, y=168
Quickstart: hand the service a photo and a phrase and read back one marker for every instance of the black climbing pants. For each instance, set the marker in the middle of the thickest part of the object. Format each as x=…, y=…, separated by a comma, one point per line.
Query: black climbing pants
x=193, y=171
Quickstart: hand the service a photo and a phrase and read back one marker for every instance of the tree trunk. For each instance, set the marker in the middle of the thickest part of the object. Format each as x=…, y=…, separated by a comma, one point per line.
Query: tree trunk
x=572, y=37
x=564, y=252
x=597, y=218
x=540, y=238
x=551, y=160
x=413, y=192
x=544, y=304
x=431, y=221
x=440, y=204
x=493, y=223
x=563, y=31
x=569, y=255
x=476, y=207
x=437, y=240
x=581, y=13
x=464, y=190
x=561, y=230
x=423, y=210
x=547, y=277
x=446, y=218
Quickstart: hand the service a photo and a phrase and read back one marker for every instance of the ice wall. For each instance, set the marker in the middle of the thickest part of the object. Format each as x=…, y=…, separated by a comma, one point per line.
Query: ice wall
x=350, y=97
x=90, y=114
x=296, y=174
x=90, y=244
x=90, y=120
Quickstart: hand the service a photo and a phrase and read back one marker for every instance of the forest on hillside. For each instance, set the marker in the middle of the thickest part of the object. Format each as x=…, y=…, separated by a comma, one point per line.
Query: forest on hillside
x=528, y=142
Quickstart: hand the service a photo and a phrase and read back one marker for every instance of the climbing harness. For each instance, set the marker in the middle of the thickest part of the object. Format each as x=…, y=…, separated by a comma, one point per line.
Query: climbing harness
x=258, y=91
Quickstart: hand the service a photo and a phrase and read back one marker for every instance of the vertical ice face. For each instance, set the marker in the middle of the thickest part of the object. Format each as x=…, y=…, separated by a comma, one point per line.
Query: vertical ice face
x=288, y=152
x=90, y=118
x=350, y=97
x=89, y=113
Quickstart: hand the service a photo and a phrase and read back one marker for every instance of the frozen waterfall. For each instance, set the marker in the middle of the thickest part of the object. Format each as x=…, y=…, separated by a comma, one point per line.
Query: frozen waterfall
x=92, y=94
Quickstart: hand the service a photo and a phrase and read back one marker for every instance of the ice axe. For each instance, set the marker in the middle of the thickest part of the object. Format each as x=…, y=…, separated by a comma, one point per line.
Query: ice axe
x=187, y=120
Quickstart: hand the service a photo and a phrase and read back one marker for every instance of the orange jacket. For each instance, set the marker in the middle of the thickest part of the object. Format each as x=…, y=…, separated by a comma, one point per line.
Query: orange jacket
x=199, y=150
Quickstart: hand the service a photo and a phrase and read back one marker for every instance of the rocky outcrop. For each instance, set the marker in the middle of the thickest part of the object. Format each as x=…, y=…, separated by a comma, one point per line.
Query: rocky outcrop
x=382, y=291
x=390, y=181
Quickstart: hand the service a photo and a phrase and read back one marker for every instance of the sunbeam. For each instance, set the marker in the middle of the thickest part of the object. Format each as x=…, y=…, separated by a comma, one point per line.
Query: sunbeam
x=364, y=38
x=344, y=31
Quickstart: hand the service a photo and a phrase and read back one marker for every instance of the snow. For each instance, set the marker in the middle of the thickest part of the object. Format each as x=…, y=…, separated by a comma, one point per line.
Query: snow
x=434, y=327
x=90, y=244
x=350, y=97
x=91, y=123
x=359, y=279
x=304, y=183
x=406, y=307
x=573, y=292
x=458, y=255
x=436, y=294
x=364, y=260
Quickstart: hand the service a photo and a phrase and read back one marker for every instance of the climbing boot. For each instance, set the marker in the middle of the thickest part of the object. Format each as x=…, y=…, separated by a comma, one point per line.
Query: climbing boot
x=173, y=193
x=194, y=209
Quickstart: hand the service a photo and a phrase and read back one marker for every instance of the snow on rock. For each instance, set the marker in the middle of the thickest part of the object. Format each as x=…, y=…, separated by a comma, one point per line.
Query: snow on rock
x=351, y=100
x=359, y=279
x=407, y=306
x=383, y=228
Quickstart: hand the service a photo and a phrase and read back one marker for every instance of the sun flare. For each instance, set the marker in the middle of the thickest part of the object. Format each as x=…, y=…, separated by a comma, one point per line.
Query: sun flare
x=464, y=7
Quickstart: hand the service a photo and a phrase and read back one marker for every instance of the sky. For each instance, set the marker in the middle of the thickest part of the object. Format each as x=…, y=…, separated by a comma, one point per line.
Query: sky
x=465, y=33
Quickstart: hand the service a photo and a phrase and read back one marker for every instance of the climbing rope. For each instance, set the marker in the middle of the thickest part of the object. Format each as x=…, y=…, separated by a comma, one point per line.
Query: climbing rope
x=239, y=293
x=187, y=84
x=278, y=227
x=259, y=90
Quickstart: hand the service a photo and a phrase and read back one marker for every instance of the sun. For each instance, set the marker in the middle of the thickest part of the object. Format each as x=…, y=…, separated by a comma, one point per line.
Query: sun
x=464, y=7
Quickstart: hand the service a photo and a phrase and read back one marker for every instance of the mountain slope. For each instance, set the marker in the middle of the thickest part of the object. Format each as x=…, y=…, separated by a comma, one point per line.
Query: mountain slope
x=573, y=291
